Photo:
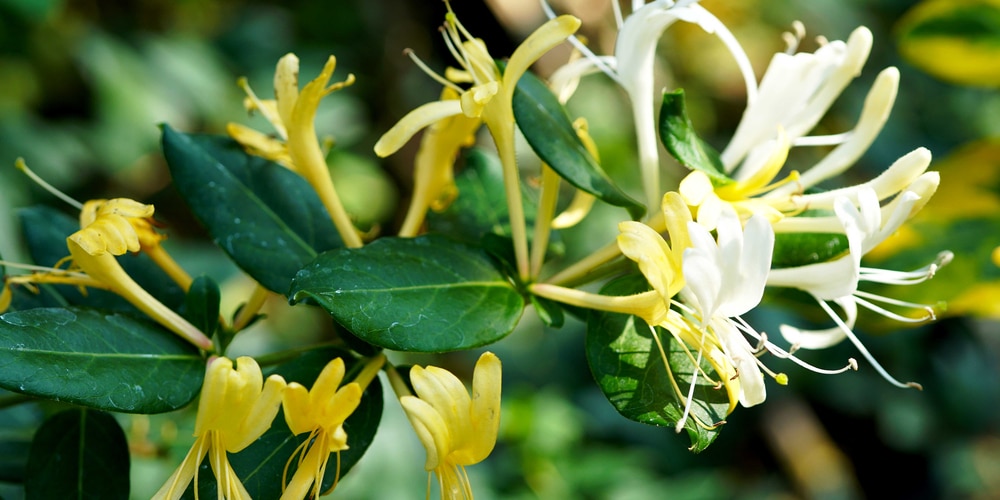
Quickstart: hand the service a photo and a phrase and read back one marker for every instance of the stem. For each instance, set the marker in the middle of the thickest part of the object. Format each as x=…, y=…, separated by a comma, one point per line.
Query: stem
x=9, y=400
x=370, y=371
x=585, y=266
x=169, y=266
x=503, y=136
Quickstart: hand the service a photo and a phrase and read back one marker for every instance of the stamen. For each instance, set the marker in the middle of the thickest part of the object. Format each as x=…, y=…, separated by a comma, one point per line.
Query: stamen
x=578, y=44
x=431, y=73
x=864, y=351
x=930, y=316
x=258, y=104
x=794, y=38
x=23, y=167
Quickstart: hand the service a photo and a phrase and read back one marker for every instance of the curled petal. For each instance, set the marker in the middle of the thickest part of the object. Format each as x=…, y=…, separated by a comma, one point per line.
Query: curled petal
x=486, y=384
x=430, y=428
x=413, y=122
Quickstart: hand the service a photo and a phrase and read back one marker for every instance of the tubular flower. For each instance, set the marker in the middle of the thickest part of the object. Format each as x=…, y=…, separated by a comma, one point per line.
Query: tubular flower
x=659, y=262
x=489, y=98
x=320, y=411
x=837, y=281
x=456, y=430
x=112, y=227
x=236, y=407
x=292, y=114
x=433, y=176
x=795, y=92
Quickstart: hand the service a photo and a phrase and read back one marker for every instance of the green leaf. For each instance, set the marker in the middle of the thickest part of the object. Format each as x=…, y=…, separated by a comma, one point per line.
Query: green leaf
x=426, y=294
x=78, y=453
x=678, y=136
x=800, y=249
x=550, y=312
x=201, y=305
x=108, y=361
x=268, y=219
x=45, y=231
x=956, y=41
x=260, y=465
x=549, y=131
x=628, y=367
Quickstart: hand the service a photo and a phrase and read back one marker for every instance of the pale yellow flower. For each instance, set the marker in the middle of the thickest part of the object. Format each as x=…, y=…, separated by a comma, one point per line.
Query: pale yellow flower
x=236, y=407
x=111, y=228
x=456, y=430
x=320, y=411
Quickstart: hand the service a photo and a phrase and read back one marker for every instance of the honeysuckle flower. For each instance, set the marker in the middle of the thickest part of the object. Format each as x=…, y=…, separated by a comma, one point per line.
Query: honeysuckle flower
x=659, y=262
x=490, y=98
x=292, y=113
x=112, y=228
x=236, y=407
x=433, y=166
x=796, y=91
x=633, y=68
x=837, y=281
x=725, y=279
x=456, y=430
x=320, y=411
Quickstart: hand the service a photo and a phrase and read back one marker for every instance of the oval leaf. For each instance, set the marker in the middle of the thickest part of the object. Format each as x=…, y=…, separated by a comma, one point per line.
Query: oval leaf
x=78, y=453
x=268, y=219
x=678, y=136
x=549, y=131
x=426, y=294
x=627, y=364
x=800, y=249
x=108, y=361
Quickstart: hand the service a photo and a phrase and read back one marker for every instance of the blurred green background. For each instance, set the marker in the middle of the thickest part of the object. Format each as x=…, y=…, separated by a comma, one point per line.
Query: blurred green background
x=83, y=85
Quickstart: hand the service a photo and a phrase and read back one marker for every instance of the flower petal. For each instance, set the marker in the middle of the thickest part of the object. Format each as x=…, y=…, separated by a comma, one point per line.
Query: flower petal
x=413, y=122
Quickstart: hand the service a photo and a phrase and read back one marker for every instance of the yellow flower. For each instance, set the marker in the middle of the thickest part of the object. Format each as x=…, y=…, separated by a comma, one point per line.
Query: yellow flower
x=111, y=228
x=234, y=410
x=321, y=412
x=433, y=170
x=457, y=430
x=659, y=262
x=292, y=113
x=490, y=97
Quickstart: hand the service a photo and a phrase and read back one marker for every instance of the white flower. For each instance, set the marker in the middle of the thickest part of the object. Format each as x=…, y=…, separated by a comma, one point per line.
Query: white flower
x=865, y=225
x=725, y=279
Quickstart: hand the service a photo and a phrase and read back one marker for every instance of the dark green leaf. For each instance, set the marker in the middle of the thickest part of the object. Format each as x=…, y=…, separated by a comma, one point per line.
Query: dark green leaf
x=627, y=364
x=549, y=131
x=800, y=249
x=260, y=466
x=680, y=139
x=548, y=311
x=78, y=453
x=201, y=305
x=426, y=294
x=108, y=361
x=45, y=231
x=268, y=219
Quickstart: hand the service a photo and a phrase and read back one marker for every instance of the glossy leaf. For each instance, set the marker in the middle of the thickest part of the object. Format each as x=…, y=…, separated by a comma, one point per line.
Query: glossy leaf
x=679, y=137
x=549, y=130
x=626, y=362
x=268, y=219
x=201, y=304
x=426, y=294
x=956, y=41
x=800, y=249
x=78, y=453
x=108, y=361
x=260, y=466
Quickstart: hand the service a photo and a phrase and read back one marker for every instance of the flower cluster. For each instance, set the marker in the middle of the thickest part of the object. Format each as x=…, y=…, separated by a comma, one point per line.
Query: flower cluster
x=698, y=257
